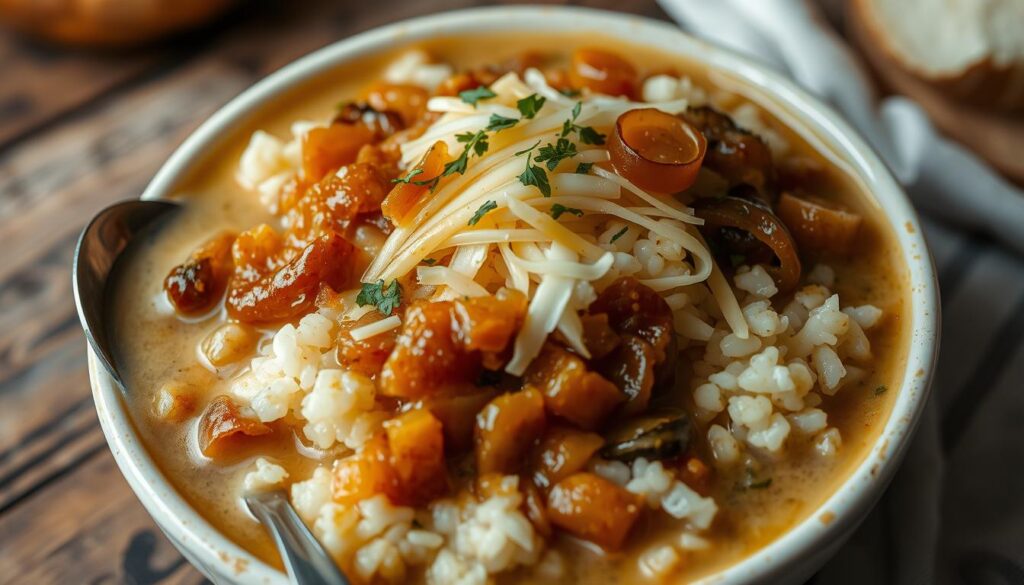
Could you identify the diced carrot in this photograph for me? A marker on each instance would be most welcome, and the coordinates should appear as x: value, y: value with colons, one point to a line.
x: 416, y: 442
x: 366, y: 474
x: 535, y: 509
x: 506, y: 429
x: 223, y: 424
x: 594, y: 509
x: 572, y: 392
x: 457, y: 414
x: 562, y: 452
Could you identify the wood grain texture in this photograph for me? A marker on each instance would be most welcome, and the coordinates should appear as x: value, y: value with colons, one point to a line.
x: 77, y: 132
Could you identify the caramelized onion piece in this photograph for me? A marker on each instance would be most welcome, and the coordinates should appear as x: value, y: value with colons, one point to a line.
x: 197, y: 284
x: 818, y: 224
x: 221, y: 425
x: 760, y: 223
x: 329, y: 148
x: 603, y: 72
x: 656, y: 151
x: 291, y: 291
x: 406, y: 100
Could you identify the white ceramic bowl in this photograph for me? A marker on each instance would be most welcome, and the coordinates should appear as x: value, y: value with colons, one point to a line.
x: 790, y: 559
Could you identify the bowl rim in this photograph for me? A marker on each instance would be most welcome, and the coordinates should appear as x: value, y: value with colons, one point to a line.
x: 850, y: 502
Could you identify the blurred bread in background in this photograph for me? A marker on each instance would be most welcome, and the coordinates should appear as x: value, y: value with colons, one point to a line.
x: 107, y: 23
x: 962, y: 60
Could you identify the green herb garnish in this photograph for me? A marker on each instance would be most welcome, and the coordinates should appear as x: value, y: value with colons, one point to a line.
x: 584, y: 168
x: 385, y: 298
x: 880, y: 390
x: 619, y: 234
x: 590, y: 136
x: 472, y: 96
x: 570, y: 92
x: 408, y: 178
x: 497, y: 123
x: 429, y: 261
x: 558, y: 209
x: 556, y: 153
x: 535, y: 175
x: 475, y: 142
x: 737, y: 260
x: 587, y: 133
x: 530, y: 105
x: 480, y: 213
x: 760, y: 485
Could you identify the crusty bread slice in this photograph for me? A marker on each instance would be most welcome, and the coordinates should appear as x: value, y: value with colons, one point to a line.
x: 971, y: 50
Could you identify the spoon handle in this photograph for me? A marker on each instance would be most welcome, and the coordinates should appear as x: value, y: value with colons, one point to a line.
x: 306, y: 561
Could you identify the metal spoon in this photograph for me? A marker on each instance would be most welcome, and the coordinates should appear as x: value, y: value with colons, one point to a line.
x: 102, y: 242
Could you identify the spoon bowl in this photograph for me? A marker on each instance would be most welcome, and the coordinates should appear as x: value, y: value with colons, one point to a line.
x: 102, y: 242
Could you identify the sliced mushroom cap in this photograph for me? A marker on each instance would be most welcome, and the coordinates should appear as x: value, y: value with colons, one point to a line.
x: 656, y: 435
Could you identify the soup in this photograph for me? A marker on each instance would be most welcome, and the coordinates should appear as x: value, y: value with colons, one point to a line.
x: 537, y: 314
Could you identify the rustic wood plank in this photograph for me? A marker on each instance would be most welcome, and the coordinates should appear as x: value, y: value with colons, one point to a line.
x: 87, y: 527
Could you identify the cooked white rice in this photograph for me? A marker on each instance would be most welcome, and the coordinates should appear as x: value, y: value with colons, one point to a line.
x: 756, y: 391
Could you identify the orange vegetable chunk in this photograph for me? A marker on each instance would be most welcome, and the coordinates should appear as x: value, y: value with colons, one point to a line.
x: 570, y: 390
x: 291, y: 291
x: 365, y: 474
x: 416, y: 442
x: 197, y: 284
x: 402, y: 200
x: 603, y: 72
x: 593, y: 508
x: 506, y: 429
x: 457, y: 414
x: 328, y: 148
x: 222, y: 425
x: 444, y: 346
x: 562, y: 452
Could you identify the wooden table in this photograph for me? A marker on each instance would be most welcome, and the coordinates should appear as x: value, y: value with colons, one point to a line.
x: 79, y: 131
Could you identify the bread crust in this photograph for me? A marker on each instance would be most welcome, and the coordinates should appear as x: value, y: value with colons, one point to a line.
x: 983, y: 83
x: 107, y: 23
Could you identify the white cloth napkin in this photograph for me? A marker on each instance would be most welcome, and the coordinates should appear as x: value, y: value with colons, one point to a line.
x: 952, y: 514
x: 792, y: 36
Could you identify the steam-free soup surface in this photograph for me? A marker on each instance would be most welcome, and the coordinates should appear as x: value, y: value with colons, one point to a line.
x: 755, y: 505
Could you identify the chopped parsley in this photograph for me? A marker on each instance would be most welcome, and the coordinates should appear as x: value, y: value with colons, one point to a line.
x: 558, y: 209
x: 429, y: 261
x: 584, y: 168
x: 385, y: 298
x: 880, y: 390
x: 556, y: 153
x: 619, y: 234
x: 472, y: 96
x: 587, y: 133
x: 535, y: 175
x: 408, y: 178
x: 737, y: 260
x: 590, y: 136
x: 498, y: 122
x: 475, y: 142
x: 480, y: 213
x: 530, y: 105
x: 570, y: 92
x: 760, y: 485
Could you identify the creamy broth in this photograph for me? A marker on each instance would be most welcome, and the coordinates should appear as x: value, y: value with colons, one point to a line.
x: 155, y: 346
